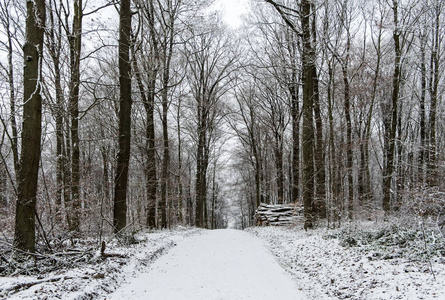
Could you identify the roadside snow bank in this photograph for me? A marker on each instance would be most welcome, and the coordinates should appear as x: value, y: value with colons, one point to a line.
x: 100, y: 278
x: 356, y: 263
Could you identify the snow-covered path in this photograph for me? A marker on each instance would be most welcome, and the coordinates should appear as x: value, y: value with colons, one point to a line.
x: 216, y: 265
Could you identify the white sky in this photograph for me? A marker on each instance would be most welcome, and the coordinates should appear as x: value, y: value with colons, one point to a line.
x: 232, y: 11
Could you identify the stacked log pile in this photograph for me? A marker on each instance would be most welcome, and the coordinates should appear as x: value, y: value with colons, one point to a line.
x: 279, y: 215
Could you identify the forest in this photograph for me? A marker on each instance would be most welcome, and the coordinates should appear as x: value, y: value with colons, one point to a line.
x: 122, y: 115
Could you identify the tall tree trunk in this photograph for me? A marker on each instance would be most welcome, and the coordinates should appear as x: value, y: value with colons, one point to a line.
x: 422, y: 122
x: 178, y: 175
x: 59, y: 136
x: 202, y: 157
x: 434, y: 89
x: 349, y: 142
x: 295, y: 112
x: 258, y: 193
x: 148, y: 99
x: 362, y: 175
x: 105, y: 176
x: 204, y: 184
x: 123, y: 156
x: 189, y: 200
x: 201, y: 167
x: 75, y: 42
x: 150, y: 167
x: 334, y: 178
x: 166, y: 157
x: 367, y: 170
x: 278, y: 153
x: 257, y: 162
x: 388, y: 170
x: 319, y: 157
x: 24, y: 235
x: 12, y: 95
x: 167, y: 56
x: 309, y: 73
x: 3, y: 185
x: 250, y: 124
x: 214, y: 196
x: 150, y: 160
x: 399, y: 179
x: 149, y: 105
x: 54, y: 46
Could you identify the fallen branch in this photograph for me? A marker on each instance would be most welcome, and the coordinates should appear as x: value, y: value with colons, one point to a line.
x: 15, y: 263
x: 27, y: 285
x: 106, y: 255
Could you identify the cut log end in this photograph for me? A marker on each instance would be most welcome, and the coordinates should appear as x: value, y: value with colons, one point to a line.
x: 278, y: 215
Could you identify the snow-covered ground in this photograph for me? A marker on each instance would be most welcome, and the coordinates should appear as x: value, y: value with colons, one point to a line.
x: 359, y: 262
x: 219, y: 264
x: 356, y: 262
x: 101, y: 276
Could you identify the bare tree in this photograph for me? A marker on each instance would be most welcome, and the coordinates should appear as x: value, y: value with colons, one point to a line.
x: 55, y: 50
x: 123, y: 156
x: 10, y: 29
x: 309, y: 75
x: 434, y: 90
x: 402, y: 41
x: 248, y: 131
x: 24, y: 236
x: 210, y: 63
x: 311, y: 155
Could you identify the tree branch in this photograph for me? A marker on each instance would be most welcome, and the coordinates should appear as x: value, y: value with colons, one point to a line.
x: 280, y: 9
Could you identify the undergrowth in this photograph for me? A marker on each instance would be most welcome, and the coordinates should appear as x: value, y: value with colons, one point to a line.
x: 393, y: 241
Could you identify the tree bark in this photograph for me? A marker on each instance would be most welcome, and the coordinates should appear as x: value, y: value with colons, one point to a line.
x: 180, y: 166
x: 166, y: 156
x: 334, y: 165
x: 12, y: 94
x: 319, y: 156
x: 75, y: 43
x: 422, y: 122
x: 151, y: 69
x: 150, y: 161
x: 366, y: 171
x: 295, y: 112
x: 349, y: 142
x: 278, y: 153
x: 309, y: 73
x: 167, y: 53
x: 434, y: 90
x: 390, y: 141
x: 123, y: 157
x: 201, y: 165
x: 24, y: 235
x: 54, y: 47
